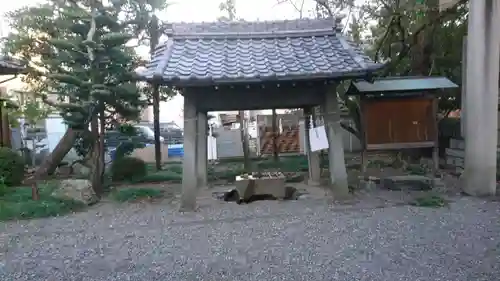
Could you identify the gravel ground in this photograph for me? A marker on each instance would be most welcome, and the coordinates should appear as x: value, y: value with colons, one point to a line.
x: 300, y: 240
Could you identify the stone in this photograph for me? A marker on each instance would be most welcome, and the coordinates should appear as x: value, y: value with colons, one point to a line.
x: 64, y: 170
x: 81, y: 170
x: 272, y: 184
x: 409, y: 182
x: 367, y: 185
x: 291, y: 193
x: 76, y: 189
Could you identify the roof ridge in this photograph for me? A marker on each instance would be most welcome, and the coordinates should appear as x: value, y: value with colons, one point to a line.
x: 251, y: 27
x: 255, y: 35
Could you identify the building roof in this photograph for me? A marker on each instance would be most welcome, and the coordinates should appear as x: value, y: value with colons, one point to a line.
x: 10, y: 66
x: 244, y: 52
x: 400, y: 85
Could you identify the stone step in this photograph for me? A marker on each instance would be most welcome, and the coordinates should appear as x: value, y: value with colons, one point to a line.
x: 457, y: 144
x: 455, y: 157
x: 455, y: 162
x: 460, y: 153
x: 460, y: 144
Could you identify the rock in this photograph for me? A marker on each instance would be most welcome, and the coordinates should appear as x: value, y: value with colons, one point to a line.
x: 64, y: 170
x: 291, y: 193
x: 367, y: 184
x: 409, y: 182
x: 76, y: 189
x: 303, y: 196
x: 81, y: 170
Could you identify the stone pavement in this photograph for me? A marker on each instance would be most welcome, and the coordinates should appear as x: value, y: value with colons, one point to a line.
x: 295, y: 240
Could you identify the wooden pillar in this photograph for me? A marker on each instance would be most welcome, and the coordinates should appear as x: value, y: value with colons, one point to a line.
x: 313, y: 159
x: 202, y: 150
x: 189, y: 165
x: 337, y: 168
x: 274, y: 121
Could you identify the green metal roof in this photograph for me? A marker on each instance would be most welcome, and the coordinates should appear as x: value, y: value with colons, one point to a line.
x: 400, y: 85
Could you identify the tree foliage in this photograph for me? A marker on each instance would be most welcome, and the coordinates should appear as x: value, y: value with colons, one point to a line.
x: 53, y: 38
x: 80, y: 62
x: 412, y: 37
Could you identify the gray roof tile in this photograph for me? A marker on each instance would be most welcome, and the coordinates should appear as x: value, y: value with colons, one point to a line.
x: 231, y: 52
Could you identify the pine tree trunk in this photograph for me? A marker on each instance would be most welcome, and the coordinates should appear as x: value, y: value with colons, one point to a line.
x: 155, y: 37
x: 53, y: 160
x: 156, y: 125
x: 102, y: 130
x: 97, y: 165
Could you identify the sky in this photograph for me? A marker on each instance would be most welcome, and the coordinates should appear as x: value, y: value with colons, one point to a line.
x: 194, y: 11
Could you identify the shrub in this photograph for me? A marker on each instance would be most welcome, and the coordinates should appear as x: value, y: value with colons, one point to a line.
x: 174, y: 169
x: 128, y: 169
x: 11, y: 167
x: 161, y: 176
x: 4, y: 189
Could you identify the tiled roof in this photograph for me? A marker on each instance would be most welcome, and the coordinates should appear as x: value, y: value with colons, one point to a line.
x: 10, y: 66
x: 232, y: 52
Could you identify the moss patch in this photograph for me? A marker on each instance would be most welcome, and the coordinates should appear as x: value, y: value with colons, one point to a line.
x: 430, y: 201
x: 18, y: 204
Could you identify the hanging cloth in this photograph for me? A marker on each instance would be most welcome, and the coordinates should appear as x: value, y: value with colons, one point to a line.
x: 317, y: 137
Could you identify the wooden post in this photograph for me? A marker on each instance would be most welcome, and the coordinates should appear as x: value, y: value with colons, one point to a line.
x: 244, y: 142
x: 362, y: 134
x: 435, y: 149
x: 275, y: 135
x: 35, y: 195
x: 313, y: 161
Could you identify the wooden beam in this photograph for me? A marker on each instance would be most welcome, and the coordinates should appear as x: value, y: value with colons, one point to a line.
x: 257, y: 96
x: 401, y: 145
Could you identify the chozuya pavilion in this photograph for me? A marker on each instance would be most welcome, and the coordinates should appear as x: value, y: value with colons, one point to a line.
x: 219, y: 66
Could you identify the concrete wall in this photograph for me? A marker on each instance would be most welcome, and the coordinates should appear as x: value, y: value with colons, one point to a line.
x: 228, y: 143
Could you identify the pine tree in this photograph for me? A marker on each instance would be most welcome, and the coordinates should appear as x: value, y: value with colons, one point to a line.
x: 83, y: 60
